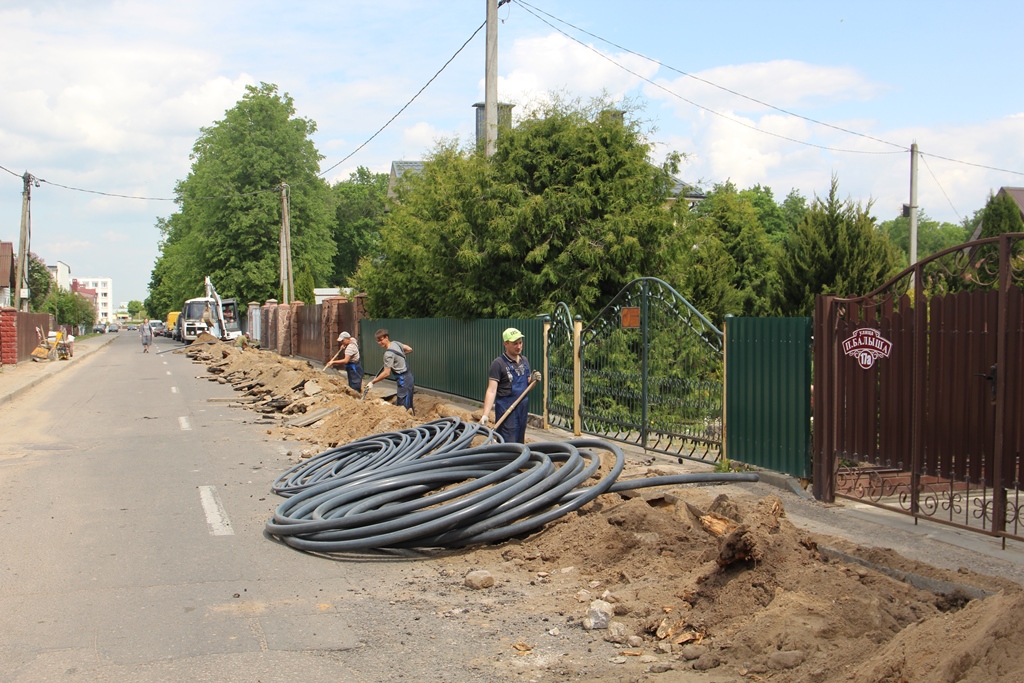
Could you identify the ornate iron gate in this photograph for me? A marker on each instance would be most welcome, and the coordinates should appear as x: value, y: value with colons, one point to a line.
x: 919, y: 391
x: 650, y: 372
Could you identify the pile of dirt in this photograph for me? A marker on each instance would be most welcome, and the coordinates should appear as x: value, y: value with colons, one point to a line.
x: 717, y: 582
x: 701, y: 581
x: 296, y: 387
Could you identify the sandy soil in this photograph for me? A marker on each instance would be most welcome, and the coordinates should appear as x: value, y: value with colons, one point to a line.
x: 704, y: 587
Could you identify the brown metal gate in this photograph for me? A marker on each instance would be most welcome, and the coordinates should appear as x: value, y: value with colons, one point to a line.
x: 919, y: 397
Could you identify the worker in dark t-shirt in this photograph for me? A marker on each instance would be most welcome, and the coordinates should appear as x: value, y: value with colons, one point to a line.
x: 507, y: 379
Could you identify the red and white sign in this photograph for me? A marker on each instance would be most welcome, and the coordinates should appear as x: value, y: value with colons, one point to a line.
x: 867, y: 345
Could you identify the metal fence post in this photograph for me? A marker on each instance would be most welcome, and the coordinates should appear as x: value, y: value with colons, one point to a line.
x: 547, y: 329
x: 577, y: 377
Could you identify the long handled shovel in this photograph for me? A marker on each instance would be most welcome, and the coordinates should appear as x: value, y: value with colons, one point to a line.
x: 514, y: 404
x: 328, y: 365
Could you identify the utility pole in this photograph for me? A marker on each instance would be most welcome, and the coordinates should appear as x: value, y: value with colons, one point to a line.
x: 491, y: 81
x: 21, y: 270
x: 287, y: 286
x: 913, y: 203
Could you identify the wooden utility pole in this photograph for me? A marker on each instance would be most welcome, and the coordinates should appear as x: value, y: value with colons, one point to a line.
x: 491, y: 81
x: 21, y: 270
x: 287, y: 281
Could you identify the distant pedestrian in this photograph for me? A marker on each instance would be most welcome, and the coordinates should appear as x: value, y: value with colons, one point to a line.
x: 146, y: 333
x: 350, y: 359
x: 396, y: 361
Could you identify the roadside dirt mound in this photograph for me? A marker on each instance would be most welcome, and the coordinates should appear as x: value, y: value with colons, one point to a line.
x: 697, y: 581
x: 297, y: 387
x: 732, y: 585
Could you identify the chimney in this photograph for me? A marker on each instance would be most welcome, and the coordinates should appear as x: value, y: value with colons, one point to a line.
x: 504, y: 120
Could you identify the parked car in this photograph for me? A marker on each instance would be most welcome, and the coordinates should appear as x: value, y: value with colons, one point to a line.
x: 113, y: 327
x: 99, y: 329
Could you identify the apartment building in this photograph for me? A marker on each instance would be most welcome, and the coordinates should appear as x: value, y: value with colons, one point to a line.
x: 104, y: 287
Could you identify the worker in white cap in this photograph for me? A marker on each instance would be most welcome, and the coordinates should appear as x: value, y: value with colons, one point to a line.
x: 350, y: 359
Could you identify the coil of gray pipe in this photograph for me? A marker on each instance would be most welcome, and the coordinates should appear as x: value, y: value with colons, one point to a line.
x: 428, y: 487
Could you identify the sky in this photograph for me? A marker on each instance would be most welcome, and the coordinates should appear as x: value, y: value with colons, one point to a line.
x: 108, y: 97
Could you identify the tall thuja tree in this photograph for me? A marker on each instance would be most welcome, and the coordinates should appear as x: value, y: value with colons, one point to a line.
x: 568, y: 209
x: 229, y: 221
x: 1001, y: 214
x: 835, y: 249
x: 735, y: 218
x: 360, y: 203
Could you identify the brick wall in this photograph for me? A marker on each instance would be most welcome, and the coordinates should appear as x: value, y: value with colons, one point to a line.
x: 8, y: 336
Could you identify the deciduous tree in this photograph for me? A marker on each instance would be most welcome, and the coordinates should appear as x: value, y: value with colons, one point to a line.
x: 229, y: 220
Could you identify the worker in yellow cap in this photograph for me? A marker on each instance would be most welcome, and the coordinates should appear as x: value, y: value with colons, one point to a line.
x: 507, y: 379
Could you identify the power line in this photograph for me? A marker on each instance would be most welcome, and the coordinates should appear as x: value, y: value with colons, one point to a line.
x: 406, y: 105
x: 528, y: 7
x: 277, y: 188
x: 942, y: 189
x: 901, y: 148
x: 701, y: 106
x: 971, y: 163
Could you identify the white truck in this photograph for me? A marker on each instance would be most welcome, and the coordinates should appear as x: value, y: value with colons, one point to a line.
x: 210, y: 314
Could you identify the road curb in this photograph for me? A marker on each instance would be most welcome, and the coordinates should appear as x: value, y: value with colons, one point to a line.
x: 63, y: 365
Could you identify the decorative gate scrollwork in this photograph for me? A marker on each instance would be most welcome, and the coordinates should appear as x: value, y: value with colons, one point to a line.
x: 651, y: 372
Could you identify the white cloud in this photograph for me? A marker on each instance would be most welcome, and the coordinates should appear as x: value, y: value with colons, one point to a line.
x: 553, y: 63
x: 421, y: 135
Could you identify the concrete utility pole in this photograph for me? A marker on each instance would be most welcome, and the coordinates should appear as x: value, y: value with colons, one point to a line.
x: 913, y: 203
x: 21, y: 270
x: 287, y: 282
x: 491, y: 81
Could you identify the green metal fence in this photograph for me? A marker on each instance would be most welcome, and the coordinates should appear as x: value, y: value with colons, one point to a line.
x: 768, y: 393
x: 651, y: 369
x: 453, y: 356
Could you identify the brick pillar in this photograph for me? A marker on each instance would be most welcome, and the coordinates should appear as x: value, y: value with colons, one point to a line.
x: 284, y: 337
x: 294, y: 329
x: 330, y: 323
x: 8, y: 336
x: 268, y: 338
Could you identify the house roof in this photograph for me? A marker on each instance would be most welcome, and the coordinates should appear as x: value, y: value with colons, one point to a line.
x: 1016, y: 194
x: 6, y: 264
x: 398, y: 169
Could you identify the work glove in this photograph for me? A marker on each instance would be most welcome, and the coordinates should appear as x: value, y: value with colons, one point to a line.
x: 536, y: 376
x: 367, y: 386
x: 483, y: 420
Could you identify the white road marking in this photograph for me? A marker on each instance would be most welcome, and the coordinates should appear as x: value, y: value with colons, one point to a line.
x: 174, y: 390
x: 183, y: 423
x: 216, y: 516
x: 168, y: 372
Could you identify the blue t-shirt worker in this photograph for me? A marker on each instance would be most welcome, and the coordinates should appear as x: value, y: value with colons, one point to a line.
x: 509, y: 378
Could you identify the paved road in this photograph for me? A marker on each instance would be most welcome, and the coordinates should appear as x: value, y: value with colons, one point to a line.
x: 133, y: 546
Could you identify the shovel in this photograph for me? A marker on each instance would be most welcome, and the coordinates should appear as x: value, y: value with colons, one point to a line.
x: 366, y: 388
x: 514, y: 404
x: 327, y: 366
